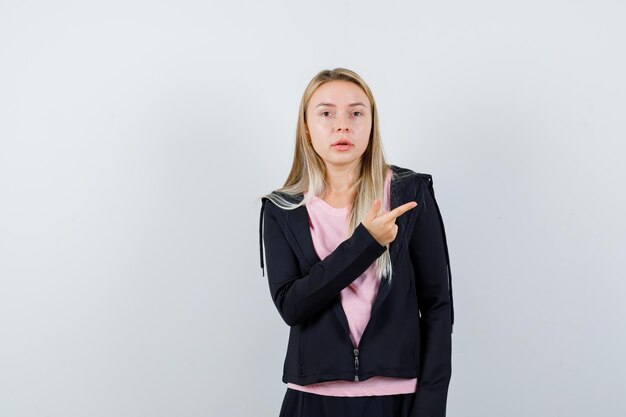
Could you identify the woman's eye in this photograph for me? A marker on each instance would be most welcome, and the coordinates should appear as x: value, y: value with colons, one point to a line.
x: 358, y: 112
x: 323, y: 113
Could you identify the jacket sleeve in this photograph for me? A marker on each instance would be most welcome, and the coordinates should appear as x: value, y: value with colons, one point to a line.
x: 429, y: 255
x: 298, y: 297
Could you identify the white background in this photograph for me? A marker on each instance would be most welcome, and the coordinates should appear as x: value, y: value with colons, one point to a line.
x: 136, y: 137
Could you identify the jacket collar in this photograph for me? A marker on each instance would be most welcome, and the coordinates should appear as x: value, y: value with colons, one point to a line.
x: 298, y: 222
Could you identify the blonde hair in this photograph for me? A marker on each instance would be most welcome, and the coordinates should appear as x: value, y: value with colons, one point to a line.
x: 308, y: 171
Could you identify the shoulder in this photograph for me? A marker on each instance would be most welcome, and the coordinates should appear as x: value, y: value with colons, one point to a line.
x: 271, y: 201
x: 280, y: 202
x: 408, y: 177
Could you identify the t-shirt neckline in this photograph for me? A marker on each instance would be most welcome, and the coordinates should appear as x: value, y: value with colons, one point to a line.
x: 329, y: 208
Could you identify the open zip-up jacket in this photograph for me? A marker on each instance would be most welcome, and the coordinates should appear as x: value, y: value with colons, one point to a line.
x: 409, y: 333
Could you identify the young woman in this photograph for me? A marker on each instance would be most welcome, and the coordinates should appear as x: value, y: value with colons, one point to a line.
x: 357, y: 265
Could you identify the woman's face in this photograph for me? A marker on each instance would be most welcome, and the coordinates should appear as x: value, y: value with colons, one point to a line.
x: 339, y: 111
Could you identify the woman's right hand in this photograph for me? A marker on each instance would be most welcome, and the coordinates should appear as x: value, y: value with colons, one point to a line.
x: 383, y: 226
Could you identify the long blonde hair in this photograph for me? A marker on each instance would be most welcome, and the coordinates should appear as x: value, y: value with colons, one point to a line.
x: 308, y: 171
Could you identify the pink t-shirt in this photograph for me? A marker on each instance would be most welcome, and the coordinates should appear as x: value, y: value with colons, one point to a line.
x: 328, y: 226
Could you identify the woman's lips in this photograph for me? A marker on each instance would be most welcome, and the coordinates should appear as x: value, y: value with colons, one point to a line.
x: 342, y: 147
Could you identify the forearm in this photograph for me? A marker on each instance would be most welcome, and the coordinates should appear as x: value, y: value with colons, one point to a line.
x: 298, y: 297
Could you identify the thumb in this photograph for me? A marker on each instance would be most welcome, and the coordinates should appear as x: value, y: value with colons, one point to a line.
x: 373, y: 213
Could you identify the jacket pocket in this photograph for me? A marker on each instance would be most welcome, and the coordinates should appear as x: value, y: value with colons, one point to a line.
x: 325, y: 346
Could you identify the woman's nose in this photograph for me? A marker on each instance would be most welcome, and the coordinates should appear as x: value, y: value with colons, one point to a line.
x: 342, y: 123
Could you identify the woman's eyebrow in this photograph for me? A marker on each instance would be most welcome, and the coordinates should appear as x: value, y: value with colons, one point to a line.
x: 332, y: 105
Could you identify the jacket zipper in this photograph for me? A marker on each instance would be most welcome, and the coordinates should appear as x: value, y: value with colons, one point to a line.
x: 356, y: 349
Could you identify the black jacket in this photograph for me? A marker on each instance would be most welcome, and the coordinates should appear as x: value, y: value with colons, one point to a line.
x: 409, y: 331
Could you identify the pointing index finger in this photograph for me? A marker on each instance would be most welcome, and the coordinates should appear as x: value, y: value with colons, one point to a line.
x: 398, y: 211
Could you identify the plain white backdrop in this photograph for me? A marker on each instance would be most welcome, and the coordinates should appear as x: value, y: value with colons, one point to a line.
x: 136, y: 137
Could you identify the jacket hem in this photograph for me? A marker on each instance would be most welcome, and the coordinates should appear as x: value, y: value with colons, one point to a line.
x: 348, y: 376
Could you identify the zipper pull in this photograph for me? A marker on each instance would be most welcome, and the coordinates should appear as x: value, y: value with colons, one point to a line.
x: 356, y: 364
